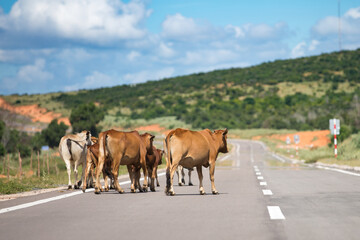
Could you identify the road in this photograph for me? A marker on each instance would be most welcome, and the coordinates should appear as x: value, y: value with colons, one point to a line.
x: 261, y: 197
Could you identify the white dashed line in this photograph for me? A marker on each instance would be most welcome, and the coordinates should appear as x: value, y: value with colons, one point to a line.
x: 267, y: 192
x: 258, y: 173
x: 275, y: 213
x: 263, y: 184
x: 260, y: 177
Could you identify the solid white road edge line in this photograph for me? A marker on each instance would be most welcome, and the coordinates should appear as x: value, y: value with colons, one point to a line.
x: 275, y: 213
x: 339, y: 170
x: 31, y: 204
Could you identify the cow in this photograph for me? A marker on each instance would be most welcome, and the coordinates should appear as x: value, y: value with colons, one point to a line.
x: 123, y: 148
x: 72, y: 149
x: 92, y: 157
x: 152, y: 163
x: 193, y: 149
x: 180, y: 172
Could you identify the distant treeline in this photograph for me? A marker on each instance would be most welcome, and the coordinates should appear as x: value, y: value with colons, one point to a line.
x: 219, y: 99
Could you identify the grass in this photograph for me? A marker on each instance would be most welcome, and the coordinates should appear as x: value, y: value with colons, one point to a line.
x: 348, y: 151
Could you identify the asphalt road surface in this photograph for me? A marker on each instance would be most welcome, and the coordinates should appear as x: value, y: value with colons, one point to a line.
x: 261, y: 197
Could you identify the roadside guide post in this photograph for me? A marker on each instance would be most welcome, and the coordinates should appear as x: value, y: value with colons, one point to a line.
x: 288, y: 141
x: 296, y: 141
x: 334, y: 125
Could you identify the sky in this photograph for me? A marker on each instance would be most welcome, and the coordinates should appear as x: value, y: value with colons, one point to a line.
x: 66, y: 45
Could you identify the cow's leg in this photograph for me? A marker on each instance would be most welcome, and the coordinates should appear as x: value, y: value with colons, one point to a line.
x: 99, y: 170
x: 152, y: 173
x: 144, y: 168
x: 87, y: 171
x: 115, y: 171
x: 93, y: 179
x: 131, y: 172
x: 212, y: 178
x: 106, y: 179
x: 201, y: 188
x: 173, y: 169
x: 77, y: 183
x: 190, y: 182
x: 157, y: 180
x: 178, y: 173
x: 68, y: 168
x: 183, y: 175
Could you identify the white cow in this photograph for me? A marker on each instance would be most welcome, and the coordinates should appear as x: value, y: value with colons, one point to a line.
x: 180, y: 172
x: 73, y: 148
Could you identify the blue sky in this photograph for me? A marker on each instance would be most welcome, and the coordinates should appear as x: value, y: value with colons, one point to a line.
x: 66, y: 45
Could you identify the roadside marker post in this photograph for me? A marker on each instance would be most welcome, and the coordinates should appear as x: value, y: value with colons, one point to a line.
x: 296, y: 141
x: 334, y: 125
x: 288, y: 141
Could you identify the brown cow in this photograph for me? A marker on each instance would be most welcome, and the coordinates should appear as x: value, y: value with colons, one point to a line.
x: 92, y: 157
x: 152, y: 163
x: 123, y: 148
x: 193, y: 149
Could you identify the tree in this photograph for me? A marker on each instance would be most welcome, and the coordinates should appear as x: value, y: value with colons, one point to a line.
x: 53, y: 133
x: 86, y: 117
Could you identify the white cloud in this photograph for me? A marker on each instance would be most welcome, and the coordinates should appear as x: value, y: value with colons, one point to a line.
x: 95, y: 21
x: 313, y: 45
x: 353, y: 13
x: 298, y: 50
x: 210, y: 56
x: 182, y: 28
x: 34, y: 73
x: 95, y: 80
x: 146, y: 75
x: 133, y: 55
x: 165, y: 50
x: 239, y: 33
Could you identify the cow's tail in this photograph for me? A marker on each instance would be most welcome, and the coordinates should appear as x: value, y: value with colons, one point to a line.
x: 103, y: 138
x: 68, y: 143
x: 168, y: 162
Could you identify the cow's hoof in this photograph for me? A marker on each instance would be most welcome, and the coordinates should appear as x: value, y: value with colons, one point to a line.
x: 190, y: 184
x: 152, y: 189
x: 172, y: 193
x: 79, y: 184
x: 69, y: 187
x: 133, y: 190
x: 180, y: 184
x: 106, y: 189
x: 97, y: 191
x: 158, y: 185
x: 183, y: 181
x: 121, y: 191
x: 215, y: 192
x: 202, y: 192
x: 83, y: 190
x: 76, y: 186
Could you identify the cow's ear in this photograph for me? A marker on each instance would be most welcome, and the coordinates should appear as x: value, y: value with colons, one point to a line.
x: 225, y: 131
x: 152, y: 137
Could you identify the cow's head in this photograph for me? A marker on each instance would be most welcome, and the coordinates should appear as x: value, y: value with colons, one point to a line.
x: 221, y: 138
x: 148, y: 140
x: 88, y: 138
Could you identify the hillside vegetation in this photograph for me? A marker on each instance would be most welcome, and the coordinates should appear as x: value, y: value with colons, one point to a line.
x: 297, y: 94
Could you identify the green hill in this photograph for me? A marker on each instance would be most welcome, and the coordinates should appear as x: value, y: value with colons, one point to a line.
x: 298, y: 94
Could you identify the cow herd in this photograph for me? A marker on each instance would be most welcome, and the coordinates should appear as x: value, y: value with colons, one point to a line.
x: 182, y: 149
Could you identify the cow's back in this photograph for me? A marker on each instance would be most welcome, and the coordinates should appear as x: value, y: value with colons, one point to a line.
x: 124, y: 145
x: 190, y: 147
